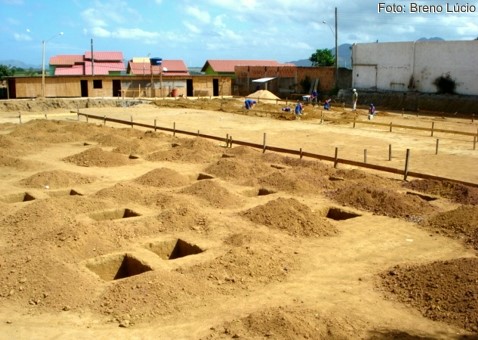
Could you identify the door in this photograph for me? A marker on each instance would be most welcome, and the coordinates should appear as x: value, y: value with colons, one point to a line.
x: 84, y: 88
x: 189, y: 88
x: 215, y: 87
x: 116, y: 88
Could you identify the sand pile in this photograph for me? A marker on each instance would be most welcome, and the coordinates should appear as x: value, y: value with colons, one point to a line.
x: 213, y: 193
x: 98, y: 157
x: 263, y: 95
x: 196, y: 150
x: 56, y: 179
x: 290, y: 216
x: 163, y: 178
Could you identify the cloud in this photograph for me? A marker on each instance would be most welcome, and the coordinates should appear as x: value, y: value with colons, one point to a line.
x: 22, y: 37
x: 202, y: 16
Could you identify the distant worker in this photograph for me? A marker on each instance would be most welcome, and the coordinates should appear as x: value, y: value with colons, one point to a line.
x: 371, y: 112
x: 298, y: 109
x: 314, y: 96
x: 327, y: 104
x: 354, y: 100
x: 249, y: 103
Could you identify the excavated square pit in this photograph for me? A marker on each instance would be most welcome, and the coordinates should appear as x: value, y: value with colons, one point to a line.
x: 265, y: 192
x: 118, y: 267
x: 422, y: 196
x: 340, y: 215
x: 202, y: 176
x: 15, y: 198
x: 174, y: 249
x: 114, y: 214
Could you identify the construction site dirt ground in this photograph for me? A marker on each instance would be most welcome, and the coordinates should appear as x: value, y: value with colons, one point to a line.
x: 109, y: 231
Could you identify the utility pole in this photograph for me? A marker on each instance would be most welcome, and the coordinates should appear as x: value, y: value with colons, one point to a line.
x: 336, y: 51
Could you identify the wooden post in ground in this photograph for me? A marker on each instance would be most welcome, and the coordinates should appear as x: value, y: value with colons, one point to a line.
x: 264, y: 143
x: 407, y: 158
x: 365, y: 156
x: 436, y: 148
x: 155, y: 125
x: 132, y: 122
x: 300, y: 153
x: 336, y: 159
x: 433, y: 128
x: 174, y: 129
x: 389, y: 152
x: 20, y: 118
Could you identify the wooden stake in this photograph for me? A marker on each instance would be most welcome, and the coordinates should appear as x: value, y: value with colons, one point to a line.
x: 336, y: 160
x: 436, y: 148
x: 365, y: 156
x: 264, y: 143
x: 407, y: 158
x: 389, y: 152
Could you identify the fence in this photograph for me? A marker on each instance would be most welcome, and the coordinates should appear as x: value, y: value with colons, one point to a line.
x: 229, y: 141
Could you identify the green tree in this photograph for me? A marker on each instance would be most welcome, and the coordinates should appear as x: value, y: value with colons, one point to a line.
x: 6, y: 71
x: 322, y: 58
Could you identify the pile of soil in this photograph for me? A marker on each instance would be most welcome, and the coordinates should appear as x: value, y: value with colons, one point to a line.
x: 163, y: 178
x: 98, y: 157
x: 290, y: 216
x: 284, y: 323
x: 383, y: 201
x: 455, y: 191
x: 55, y: 179
x: 460, y: 223
x: 213, y: 193
x: 196, y: 150
x: 443, y: 290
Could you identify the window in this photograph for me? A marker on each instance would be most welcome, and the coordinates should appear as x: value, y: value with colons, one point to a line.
x: 97, y: 84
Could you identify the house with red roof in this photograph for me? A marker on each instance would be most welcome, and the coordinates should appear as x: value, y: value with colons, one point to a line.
x: 96, y: 63
x: 144, y: 67
x: 227, y: 67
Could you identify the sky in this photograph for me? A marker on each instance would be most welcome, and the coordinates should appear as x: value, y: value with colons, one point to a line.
x: 195, y: 31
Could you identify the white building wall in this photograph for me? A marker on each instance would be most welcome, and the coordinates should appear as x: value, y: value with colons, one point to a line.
x: 404, y: 66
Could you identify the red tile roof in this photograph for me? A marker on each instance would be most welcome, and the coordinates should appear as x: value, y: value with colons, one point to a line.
x: 228, y: 65
x: 104, y: 56
x: 75, y: 70
x: 103, y: 68
x: 173, y: 68
x: 69, y: 59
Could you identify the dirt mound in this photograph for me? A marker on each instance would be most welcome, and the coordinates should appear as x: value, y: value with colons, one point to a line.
x: 98, y: 157
x: 196, y: 150
x: 290, y: 216
x: 295, y: 180
x: 56, y: 179
x: 238, y: 170
x: 17, y: 163
x: 455, y: 191
x: 442, y: 291
x: 51, y: 131
x: 163, y: 177
x: 244, y: 268
x: 213, y: 193
x: 283, y: 323
x: 460, y: 223
x: 383, y: 201
x: 263, y: 94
